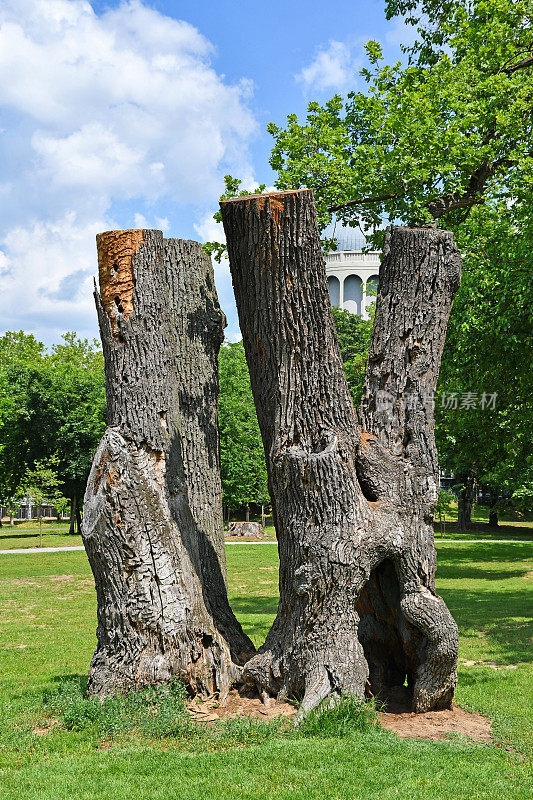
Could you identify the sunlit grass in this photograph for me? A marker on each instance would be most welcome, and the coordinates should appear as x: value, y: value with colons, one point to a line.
x: 47, y: 636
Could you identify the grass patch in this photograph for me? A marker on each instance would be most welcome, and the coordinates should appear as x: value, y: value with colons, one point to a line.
x: 157, y: 712
x: 345, y: 717
x: 55, y: 743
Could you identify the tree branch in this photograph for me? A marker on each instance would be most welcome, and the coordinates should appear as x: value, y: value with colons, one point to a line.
x: 523, y: 64
x: 362, y: 201
x: 446, y: 203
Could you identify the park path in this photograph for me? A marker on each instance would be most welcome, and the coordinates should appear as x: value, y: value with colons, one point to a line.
x: 28, y: 550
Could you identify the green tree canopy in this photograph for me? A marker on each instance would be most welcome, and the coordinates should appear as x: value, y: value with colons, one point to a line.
x: 354, y: 340
x: 488, y: 354
x: 52, y: 405
x: 428, y: 139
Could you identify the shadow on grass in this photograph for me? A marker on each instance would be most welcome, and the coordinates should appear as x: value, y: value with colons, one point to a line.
x: 483, y: 531
x: 34, y: 534
x: 260, y: 605
x: 498, y: 618
x: 471, y: 572
x: 81, y: 680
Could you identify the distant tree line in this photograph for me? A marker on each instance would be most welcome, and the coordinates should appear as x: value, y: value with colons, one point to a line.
x: 52, y: 415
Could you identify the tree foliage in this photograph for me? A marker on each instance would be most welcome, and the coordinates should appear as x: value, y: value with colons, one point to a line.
x: 42, y: 484
x: 52, y: 405
x: 353, y: 333
x: 429, y: 139
x: 243, y: 468
x: 489, y: 351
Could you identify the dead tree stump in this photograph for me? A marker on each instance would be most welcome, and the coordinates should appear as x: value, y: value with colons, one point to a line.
x: 352, y: 499
x: 152, y: 523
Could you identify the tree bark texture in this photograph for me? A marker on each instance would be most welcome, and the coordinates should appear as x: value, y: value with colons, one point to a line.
x: 352, y: 498
x: 152, y: 523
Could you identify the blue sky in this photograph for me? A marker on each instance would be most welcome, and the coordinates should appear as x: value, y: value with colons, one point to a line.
x: 129, y: 114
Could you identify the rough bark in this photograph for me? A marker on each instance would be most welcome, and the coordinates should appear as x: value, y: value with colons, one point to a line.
x: 152, y: 523
x: 352, y: 504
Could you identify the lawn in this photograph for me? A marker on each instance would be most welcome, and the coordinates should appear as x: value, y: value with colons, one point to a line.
x: 24, y: 535
x: 47, y: 625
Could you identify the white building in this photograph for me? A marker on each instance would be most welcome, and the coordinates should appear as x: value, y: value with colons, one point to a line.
x: 352, y: 279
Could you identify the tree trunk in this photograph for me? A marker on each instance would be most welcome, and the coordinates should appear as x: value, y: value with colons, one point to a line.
x: 73, y: 516
x: 352, y: 504
x: 78, y: 515
x: 152, y: 523
x: 465, y: 501
x: 493, y: 510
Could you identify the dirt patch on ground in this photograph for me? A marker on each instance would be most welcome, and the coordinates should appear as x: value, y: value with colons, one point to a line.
x: 47, y: 727
x: 437, y: 724
x: 237, y: 706
x: 396, y: 716
x: 405, y: 724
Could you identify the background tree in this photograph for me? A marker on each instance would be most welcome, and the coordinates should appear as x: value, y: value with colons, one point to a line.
x: 42, y: 484
x: 22, y: 360
x: 242, y: 459
x: 354, y: 334
x: 446, y: 137
x: 430, y: 139
x: 485, y: 411
x: 50, y: 404
x: 77, y: 368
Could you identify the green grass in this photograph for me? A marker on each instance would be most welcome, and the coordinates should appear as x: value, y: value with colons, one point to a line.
x: 26, y: 535
x: 122, y: 750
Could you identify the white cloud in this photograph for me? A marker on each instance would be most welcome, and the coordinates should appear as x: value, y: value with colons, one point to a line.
x: 334, y: 68
x: 208, y: 229
x: 122, y: 99
x: 103, y: 109
x: 49, y: 280
x: 140, y: 221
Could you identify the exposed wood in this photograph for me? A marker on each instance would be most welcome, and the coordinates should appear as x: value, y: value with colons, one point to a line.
x: 152, y: 523
x: 352, y: 504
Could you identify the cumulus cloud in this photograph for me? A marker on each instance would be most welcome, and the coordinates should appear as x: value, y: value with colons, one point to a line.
x: 103, y: 109
x: 333, y: 68
x: 48, y: 284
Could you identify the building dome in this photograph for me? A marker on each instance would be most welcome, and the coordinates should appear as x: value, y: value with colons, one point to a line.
x: 353, y: 278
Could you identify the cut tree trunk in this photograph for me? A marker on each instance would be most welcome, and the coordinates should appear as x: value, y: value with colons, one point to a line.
x: 152, y: 522
x: 352, y: 501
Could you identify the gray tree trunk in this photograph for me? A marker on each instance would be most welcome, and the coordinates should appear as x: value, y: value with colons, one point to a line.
x: 352, y: 498
x: 152, y: 523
